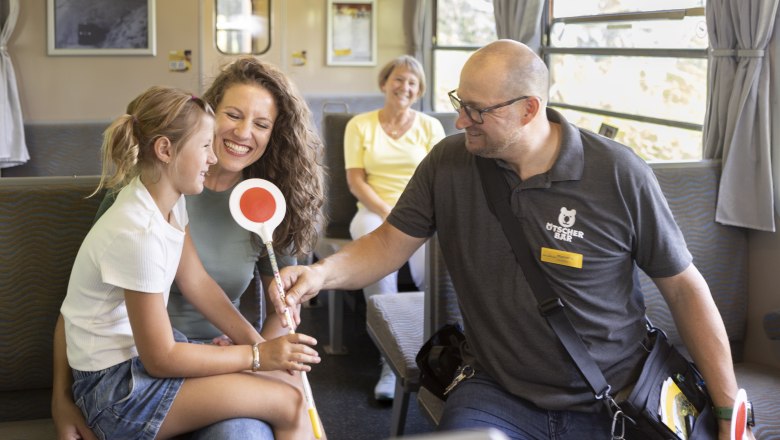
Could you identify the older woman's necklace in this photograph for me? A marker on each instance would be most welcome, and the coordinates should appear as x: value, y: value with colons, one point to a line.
x: 398, y: 129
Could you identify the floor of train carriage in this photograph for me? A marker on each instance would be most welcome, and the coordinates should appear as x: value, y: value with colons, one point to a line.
x: 343, y: 385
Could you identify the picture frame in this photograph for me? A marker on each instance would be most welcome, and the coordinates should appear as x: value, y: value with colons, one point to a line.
x: 351, y: 29
x: 101, y: 27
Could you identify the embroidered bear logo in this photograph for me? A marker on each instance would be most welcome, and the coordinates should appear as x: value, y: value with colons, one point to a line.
x: 566, y: 217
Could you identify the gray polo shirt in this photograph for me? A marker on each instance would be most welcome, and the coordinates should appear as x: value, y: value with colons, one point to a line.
x: 594, y: 217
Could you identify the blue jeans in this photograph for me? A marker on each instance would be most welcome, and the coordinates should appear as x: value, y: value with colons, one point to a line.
x: 231, y: 429
x: 124, y: 401
x: 235, y: 429
x: 480, y: 402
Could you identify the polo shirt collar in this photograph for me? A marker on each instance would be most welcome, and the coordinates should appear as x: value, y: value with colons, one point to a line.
x: 571, y: 160
x: 569, y: 163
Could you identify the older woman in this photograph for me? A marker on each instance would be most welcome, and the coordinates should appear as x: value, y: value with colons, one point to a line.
x: 382, y: 148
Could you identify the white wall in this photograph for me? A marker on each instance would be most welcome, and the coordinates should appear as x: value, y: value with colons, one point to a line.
x: 84, y: 88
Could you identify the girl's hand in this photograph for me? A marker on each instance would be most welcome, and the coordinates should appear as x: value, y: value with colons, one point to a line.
x: 288, y: 352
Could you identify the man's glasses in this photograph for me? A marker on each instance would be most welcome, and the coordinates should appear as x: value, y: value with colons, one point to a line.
x: 475, y: 114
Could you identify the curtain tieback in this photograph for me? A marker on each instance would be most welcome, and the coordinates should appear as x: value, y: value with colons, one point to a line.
x: 740, y: 53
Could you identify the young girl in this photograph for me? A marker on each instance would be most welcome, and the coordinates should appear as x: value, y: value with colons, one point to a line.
x: 129, y: 365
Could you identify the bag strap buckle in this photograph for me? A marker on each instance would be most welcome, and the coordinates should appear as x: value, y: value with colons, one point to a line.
x: 549, y: 306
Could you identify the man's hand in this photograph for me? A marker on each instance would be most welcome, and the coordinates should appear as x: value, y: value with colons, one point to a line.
x: 69, y: 422
x: 301, y: 283
x: 724, y: 431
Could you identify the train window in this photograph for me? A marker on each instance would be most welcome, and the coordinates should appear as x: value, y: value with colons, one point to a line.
x: 634, y: 73
x: 243, y: 26
x: 460, y: 27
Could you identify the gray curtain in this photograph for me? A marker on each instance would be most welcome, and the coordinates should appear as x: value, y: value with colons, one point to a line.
x: 738, y: 127
x: 415, y: 16
x: 13, y: 149
x: 414, y: 27
x: 520, y: 20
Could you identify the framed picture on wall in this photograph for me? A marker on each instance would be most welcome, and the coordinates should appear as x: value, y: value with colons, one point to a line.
x: 101, y: 27
x: 351, y: 39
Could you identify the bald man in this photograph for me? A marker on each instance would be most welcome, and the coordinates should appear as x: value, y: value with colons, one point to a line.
x: 572, y: 191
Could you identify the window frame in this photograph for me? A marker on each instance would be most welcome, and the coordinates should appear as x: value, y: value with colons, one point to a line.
x: 218, y: 29
x: 430, y: 48
x: 670, y: 14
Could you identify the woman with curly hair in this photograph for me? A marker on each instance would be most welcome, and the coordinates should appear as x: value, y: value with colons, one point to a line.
x: 263, y: 129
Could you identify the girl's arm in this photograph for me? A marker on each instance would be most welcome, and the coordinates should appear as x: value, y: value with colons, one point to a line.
x: 162, y: 356
x: 205, y: 294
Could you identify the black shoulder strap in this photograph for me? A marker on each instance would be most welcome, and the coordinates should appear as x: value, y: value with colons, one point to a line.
x: 551, y: 306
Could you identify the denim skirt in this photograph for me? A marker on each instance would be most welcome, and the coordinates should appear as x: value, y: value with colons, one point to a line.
x: 124, y: 401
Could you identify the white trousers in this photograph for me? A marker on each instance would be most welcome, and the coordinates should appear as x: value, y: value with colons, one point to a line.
x: 366, y: 221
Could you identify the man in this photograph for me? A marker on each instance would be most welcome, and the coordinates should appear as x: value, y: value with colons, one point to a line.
x: 573, y: 192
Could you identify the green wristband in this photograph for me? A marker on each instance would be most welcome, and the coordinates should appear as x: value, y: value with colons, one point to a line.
x: 726, y: 412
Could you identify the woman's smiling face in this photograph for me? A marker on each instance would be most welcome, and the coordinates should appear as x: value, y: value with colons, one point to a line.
x: 244, y: 122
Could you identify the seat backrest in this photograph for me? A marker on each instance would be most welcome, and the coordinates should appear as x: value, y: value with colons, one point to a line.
x: 719, y: 251
x: 61, y: 149
x: 43, y: 221
x: 340, y: 204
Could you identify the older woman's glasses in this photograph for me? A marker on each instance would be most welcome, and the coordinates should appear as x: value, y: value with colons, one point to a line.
x: 475, y: 114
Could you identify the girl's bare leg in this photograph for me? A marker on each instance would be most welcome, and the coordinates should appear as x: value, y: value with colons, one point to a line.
x: 203, y: 401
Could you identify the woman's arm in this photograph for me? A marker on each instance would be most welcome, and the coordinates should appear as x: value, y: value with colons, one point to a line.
x: 357, y: 180
x: 272, y: 324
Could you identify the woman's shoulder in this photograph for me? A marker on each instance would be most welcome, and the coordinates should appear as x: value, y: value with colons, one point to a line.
x: 369, y: 117
x: 428, y: 121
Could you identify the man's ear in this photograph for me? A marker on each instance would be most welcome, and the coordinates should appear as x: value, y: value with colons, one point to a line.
x: 163, y: 149
x: 531, y: 107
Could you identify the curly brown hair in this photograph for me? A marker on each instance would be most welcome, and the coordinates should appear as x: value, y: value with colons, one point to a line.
x: 292, y: 158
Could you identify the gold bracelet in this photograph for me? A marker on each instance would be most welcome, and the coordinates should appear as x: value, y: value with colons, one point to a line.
x: 255, y: 357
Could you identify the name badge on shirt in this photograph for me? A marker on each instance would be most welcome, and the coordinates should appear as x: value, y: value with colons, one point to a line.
x: 563, y: 258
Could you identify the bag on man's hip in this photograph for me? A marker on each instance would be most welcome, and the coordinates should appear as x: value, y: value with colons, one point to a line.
x: 669, y: 400
x: 439, y: 359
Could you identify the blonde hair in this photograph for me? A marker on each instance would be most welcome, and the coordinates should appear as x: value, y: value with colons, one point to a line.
x: 128, y: 143
x: 291, y: 159
x: 410, y: 63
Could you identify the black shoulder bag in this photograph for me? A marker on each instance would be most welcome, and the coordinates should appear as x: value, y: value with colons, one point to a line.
x: 638, y: 416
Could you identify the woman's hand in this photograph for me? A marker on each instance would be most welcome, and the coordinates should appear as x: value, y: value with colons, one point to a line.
x: 222, y: 341
x: 69, y: 422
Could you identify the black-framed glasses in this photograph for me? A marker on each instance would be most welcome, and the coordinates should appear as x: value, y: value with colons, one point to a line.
x: 475, y: 114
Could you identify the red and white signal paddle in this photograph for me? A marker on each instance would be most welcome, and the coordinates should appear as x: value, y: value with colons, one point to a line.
x: 258, y: 206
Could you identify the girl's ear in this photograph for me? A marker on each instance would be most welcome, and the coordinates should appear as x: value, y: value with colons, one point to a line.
x: 163, y: 149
